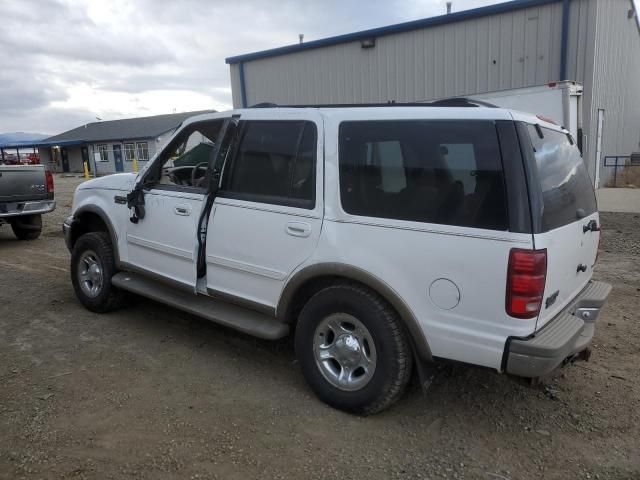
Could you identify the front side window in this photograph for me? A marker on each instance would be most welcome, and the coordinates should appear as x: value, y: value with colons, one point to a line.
x: 143, y: 151
x: 567, y: 191
x: 274, y: 163
x: 129, y: 151
x: 446, y: 172
x: 184, y: 161
x: 104, y: 153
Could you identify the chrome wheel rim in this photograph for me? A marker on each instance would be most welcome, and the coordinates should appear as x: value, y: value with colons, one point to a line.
x: 90, y: 274
x: 344, y: 351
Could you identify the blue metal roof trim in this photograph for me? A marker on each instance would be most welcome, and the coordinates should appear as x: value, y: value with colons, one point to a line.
x: 391, y: 29
x: 41, y: 143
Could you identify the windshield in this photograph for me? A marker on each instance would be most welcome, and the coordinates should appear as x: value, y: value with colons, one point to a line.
x: 567, y: 191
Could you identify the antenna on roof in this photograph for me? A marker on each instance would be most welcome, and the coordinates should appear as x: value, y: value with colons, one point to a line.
x: 449, y: 7
x: 301, y: 37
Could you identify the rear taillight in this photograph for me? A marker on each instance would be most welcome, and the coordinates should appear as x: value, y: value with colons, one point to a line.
x: 526, y: 277
x: 49, y: 176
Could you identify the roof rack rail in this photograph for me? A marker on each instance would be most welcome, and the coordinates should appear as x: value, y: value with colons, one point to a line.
x: 445, y: 102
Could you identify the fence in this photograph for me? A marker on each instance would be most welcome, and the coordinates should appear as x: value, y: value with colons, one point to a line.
x: 620, y: 164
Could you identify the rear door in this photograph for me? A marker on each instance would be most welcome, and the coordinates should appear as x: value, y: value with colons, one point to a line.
x: 566, y: 221
x: 267, y: 215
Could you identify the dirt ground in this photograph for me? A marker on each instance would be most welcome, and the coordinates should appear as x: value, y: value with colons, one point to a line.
x: 152, y: 393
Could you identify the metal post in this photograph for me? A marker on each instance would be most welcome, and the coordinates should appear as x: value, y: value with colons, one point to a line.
x: 615, y: 172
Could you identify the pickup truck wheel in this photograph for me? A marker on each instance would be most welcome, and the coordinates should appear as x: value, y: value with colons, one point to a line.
x: 352, y: 349
x: 27, y: 227
x: 92, y: 266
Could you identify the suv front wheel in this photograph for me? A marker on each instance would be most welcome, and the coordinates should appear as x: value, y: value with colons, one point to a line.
x: 92, y: 266
x: 352, y: 349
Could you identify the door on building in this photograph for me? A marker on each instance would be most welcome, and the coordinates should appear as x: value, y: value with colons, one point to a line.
x: 64, y: 155
x: 117, y: 158
x: 85, y: 157
x: 599, y: 147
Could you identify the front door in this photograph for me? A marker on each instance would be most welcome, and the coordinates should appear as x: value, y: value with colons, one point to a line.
x: 64, y: 155
x: 117, y: 158
x: 267, y: 215
x: 85, y: 157
x: 164, y: 242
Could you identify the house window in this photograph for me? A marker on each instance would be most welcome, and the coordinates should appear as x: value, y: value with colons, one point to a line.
x: 143, y: 151
x: 129, y: 151
x: 104, y: 153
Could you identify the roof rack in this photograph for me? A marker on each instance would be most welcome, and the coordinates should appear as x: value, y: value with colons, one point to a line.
x: 445, y: 102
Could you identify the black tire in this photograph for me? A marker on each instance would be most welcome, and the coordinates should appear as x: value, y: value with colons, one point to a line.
x: 107, y: 297
x: 394, y: 359
x: 27, y: 227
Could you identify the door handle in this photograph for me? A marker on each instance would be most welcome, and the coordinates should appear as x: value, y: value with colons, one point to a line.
x: 182, y: 209
x: 298, y: 229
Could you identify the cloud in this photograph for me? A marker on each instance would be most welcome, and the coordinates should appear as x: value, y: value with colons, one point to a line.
x: 64, y: 62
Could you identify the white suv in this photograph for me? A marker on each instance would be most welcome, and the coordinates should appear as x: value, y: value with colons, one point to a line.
x: 385, y: 237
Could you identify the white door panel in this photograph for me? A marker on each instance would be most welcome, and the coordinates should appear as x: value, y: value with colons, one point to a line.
x: 252, y: 248
x: 165, y: 241
x: 568, y: 247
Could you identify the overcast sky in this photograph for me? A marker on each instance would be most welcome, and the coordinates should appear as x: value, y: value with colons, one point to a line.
x: 65, y: 62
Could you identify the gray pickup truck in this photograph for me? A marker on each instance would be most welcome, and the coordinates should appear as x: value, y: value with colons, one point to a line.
x: 26, y: 192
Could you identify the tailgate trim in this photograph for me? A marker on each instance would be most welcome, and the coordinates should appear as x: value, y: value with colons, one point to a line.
x: 563, y: 336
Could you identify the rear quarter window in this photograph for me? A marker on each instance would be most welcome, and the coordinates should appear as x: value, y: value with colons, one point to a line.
x: 444, y: 172
x: 567, y: 191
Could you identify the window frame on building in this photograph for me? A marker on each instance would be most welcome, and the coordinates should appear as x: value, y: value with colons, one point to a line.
x: 142, y: 154
x: 129, y: 154
x: 103, y: 151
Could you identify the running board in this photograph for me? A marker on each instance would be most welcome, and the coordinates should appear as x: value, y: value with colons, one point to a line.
x: 227, y: 314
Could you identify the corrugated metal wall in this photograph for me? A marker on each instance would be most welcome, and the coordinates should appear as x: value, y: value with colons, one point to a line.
x: 616, y: 83
x: 501, y: 51
x: 515, y: 49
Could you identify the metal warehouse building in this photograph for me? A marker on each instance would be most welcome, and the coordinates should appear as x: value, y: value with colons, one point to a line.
x: 509, y: 45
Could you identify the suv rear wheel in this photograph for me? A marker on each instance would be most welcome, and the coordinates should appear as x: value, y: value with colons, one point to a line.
x: 352, y: 349
x: 27, y: 227
x: 92, y: 266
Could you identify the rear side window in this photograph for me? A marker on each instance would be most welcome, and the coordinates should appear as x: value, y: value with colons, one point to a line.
x: 567, y: 192
x: 446, y: 172
x: 274, y: 163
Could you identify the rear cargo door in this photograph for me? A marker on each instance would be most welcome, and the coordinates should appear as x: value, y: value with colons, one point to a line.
x: 565, y: 216
x: 22, y: 183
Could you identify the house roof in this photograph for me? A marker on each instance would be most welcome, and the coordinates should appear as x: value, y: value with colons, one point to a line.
x: 396, y: 28
x: 127, y: 128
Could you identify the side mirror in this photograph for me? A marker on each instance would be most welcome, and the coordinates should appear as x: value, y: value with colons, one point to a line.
x: 135, y: 200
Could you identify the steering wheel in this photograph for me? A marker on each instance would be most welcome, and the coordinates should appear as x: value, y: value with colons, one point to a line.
x: 194, y: 171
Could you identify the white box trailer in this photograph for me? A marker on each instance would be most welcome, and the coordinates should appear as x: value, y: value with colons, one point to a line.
x: 558, y: 101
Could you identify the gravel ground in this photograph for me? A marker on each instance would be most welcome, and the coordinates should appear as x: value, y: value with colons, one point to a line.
x: 152, y: 393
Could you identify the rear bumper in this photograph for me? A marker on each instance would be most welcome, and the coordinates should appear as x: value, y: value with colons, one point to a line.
x: 569, y: 333
x: 26, y: 208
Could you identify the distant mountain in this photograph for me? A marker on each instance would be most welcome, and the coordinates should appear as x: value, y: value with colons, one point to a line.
x: 20, y: 137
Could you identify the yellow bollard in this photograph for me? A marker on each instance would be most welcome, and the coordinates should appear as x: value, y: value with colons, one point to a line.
x: 135, y: 165
x: 86, y: 170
